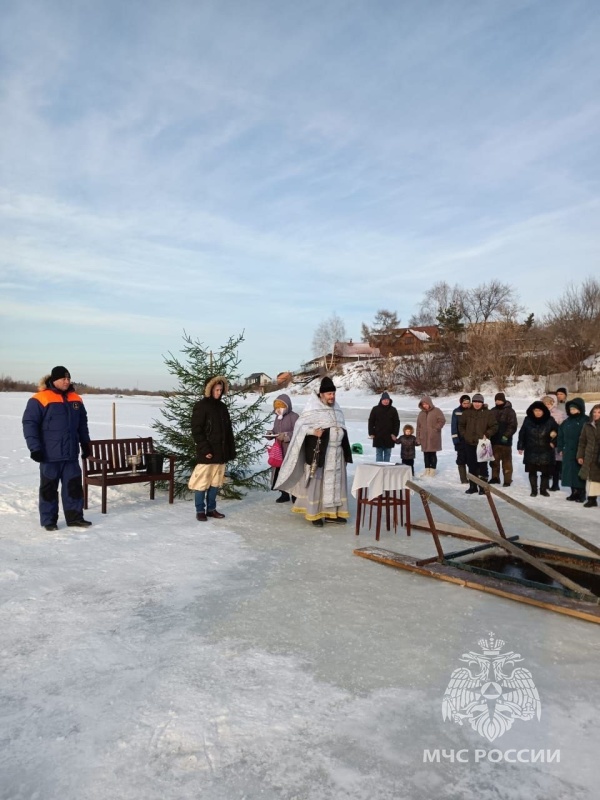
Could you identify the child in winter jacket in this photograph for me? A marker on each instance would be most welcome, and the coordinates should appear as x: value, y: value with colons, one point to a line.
x: 408, y: 446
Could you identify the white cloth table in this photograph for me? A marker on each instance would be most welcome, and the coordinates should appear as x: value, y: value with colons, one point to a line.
x: 380, y: 478
x: 382, y: 486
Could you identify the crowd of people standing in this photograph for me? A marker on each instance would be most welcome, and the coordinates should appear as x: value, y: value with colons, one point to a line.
x: 559, y: 442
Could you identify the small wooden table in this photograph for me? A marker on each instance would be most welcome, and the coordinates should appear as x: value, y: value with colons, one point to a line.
x: 379, y: 487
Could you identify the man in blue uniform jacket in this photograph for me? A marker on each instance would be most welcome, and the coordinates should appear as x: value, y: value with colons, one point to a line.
x: 55, y: 427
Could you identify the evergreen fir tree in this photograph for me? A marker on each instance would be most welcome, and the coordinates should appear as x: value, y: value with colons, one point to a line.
x: 450, y: 320
x: 248, y: 420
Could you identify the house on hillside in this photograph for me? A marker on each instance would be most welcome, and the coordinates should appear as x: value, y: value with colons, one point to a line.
x: 343, y: 353
x: 258, y: 379
x: 418, y: 339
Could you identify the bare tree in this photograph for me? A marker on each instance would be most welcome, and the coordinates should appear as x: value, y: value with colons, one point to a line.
x: 383, y: 374
x: 490, y: 301
x: 328, y: 332
x: 423, y: 374
x: 573, y: 324
x: 440, y: 296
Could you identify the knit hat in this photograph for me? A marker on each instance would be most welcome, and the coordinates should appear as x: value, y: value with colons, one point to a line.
x: 561, y: 389
x: 464, y: 397
x: 385, y: 396
x: 326, y: 386
x: 478, y: 398
x: 58, y: 373
x: 500, y: 396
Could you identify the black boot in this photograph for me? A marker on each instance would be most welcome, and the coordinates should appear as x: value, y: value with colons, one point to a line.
x: 544, y: 486
x: 580, y: 498
x: 283, y: 498
x: 495, y: 481
x: 481, y: 490
x: 472, y: 488
x: 555, y: 476
x: 591, y: 503
x: 533, y: 483
x: 573, y: 495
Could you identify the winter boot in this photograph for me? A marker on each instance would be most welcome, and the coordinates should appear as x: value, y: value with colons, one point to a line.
x: 462, y: 471
x: 482, y: 490
x: 556, y: 476
x: 283, y: 498
x: 494, y: 480
x: 591, y: 503
x: 472, y: 488
x: 51, y: 527
x: 318, y: 523
x: 533, y: 483
x: 573, y: 495
x: 580, y: 496
x: 432, y: 473
x: 544, y: 486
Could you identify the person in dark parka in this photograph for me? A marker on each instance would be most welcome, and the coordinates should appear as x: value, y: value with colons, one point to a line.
x: 567, y: 443
x: 384, y: 427
x: 55, y: 427
x: 502, y: 440
x: 215, y: 446
x: 477, y: 422
x: 536, y: 443
x: 457, y: 440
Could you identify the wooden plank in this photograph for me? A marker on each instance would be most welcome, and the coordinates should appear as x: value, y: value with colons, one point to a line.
x: 536, y: 515
x: 429, y: 497
x: 534, y: 597
x: 468, y: 534
x: 448, y: 529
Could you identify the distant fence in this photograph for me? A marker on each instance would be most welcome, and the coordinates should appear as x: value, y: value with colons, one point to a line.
x: 586, y: 382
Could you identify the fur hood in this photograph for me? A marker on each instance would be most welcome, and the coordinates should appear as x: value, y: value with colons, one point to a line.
x: 284, y: 398
x: 212, y: 381
x: 45, y: 383
x: 543, y: 408
x: 578, y: 402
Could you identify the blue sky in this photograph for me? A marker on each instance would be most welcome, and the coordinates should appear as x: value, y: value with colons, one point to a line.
x: 219, y: 165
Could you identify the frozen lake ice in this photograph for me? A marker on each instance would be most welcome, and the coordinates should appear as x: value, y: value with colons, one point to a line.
x: 255, y: 657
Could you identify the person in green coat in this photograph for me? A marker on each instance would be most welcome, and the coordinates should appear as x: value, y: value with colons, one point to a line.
x: 567, y: 444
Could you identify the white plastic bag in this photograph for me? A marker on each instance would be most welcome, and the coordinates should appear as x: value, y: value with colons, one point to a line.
x: 485, y: 451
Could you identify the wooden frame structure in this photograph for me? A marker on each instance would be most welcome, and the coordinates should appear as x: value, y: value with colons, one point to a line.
x: 571, y: 599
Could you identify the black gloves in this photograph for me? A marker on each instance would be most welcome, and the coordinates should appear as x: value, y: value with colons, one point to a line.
x: 36, y: 456
x: 85, y: 450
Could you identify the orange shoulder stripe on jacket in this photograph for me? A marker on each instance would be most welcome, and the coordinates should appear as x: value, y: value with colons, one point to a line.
x: 48, y: 396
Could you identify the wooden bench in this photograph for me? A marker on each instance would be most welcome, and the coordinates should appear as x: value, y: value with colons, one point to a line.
x: 107, y: 465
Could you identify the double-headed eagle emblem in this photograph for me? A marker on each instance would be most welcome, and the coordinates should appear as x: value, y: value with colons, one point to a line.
x: 491, y: 692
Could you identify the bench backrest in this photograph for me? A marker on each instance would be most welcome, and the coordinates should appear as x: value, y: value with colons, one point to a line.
x: 115, y: 451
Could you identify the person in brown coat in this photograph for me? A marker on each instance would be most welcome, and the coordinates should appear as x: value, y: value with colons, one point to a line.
x: 478, y: 422
x: 430, y: 422
x: 588, y: 456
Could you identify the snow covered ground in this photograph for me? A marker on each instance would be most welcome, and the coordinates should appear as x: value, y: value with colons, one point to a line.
x: 152, y: 656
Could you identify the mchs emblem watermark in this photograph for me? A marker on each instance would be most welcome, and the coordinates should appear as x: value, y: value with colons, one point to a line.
x: 491, y: 693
